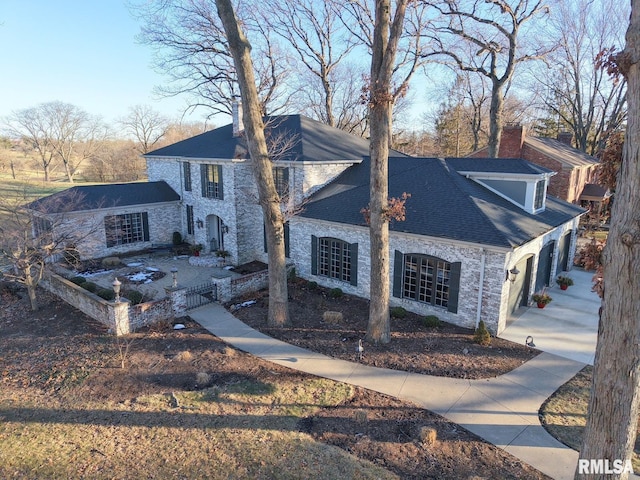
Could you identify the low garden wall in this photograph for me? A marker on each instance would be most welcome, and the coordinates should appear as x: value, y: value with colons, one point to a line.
x: 229, y: 288
x: 120, y: 317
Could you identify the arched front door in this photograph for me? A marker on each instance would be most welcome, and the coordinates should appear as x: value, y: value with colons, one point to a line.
x: 215, y: 233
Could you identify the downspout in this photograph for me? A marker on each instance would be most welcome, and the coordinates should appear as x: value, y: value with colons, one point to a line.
x: 483, y: 261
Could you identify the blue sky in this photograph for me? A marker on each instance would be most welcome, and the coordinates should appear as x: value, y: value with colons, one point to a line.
x: 81, y: 52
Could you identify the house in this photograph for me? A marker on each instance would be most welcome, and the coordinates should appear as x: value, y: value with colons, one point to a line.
x: 117, y: 218
x: 480, y: 235
x: 574, y: 169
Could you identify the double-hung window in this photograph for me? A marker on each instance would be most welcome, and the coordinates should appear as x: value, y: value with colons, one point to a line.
x: 211, y: 176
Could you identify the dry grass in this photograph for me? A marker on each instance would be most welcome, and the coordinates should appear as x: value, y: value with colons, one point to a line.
x: 180, y: 435
x: 564, y: 414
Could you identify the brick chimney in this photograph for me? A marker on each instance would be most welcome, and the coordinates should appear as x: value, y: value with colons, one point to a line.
x: 236, y: 116
x: 511, y: 141
x: 565, y: 137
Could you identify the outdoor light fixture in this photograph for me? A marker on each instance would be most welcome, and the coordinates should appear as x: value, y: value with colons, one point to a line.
x: 116, y: 289
x: 200, y: 223
x: 512, y: 274
x: 174, y: 275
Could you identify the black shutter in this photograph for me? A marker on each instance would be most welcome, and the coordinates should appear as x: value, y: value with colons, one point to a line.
x: 285, y: 180
x: 314, y: 255
x: 145, y: 226
x: 398, y: 267
x: 220, y: 183
x: 203, y: 179
x: 353, y: 253
x: 454, y: 287
x: 110, y: 230
x: 286, y: 239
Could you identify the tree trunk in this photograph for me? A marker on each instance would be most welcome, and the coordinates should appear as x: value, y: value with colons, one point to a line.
x: 613, y: 410
x: 385, y: 43
x: 254, y: 130
x: 495, y: 120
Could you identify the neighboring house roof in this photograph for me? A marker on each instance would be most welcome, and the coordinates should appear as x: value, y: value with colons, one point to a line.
x: 92, y: 197
x: 563, y: 153
x: 443, y: 203
x: 306, y: 140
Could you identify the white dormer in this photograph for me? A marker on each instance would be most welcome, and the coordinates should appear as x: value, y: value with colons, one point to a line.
x: 527, y: 191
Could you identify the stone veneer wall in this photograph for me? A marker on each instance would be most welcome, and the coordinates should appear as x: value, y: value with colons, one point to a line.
x: 469, y: 255
x: 163, y: 218
x: 229, y: 288
x: 121, y: 318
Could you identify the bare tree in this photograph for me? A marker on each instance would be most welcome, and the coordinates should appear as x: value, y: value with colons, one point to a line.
x: 262, y: 167
x: 75, y: 135
x: 612, y: 417
x: 35, y: 128
x: 572, y: 87
x: 319, y: 40
x: 386, y: 36
x: 146, y: 125
x: 191, y: 49
x: 34, y: 234
x: 483, y: 37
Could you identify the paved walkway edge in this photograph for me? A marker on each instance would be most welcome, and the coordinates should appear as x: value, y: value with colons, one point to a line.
x: 501, y: 410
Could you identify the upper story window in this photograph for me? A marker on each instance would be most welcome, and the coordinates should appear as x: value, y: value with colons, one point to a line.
x: 426, y: 279
x: 281, y: 179
x: 334, y: 258
x: 538, y: 201
x: 186, y: 173
x: 126, y: 228
x: 211, y: 176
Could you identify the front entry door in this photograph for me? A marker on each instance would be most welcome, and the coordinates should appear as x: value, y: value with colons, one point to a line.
x: 214, y: 233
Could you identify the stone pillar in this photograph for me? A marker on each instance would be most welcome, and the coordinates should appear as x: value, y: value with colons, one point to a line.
x: 119, y: 317
x: 178, y: 296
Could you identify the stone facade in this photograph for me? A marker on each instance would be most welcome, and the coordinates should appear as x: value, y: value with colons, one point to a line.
x: 162, y: 218
x: 239, y: 209
x: 486, y: 300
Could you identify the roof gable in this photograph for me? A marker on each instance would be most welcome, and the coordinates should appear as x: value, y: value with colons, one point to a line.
x: 443, y: 203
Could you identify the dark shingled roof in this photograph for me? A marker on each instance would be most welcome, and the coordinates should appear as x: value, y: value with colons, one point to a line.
x: 311, y: 141
x: 91, y: 197
x: 443, y: 203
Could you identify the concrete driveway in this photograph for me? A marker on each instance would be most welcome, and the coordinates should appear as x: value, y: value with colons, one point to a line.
x: 567, y: 327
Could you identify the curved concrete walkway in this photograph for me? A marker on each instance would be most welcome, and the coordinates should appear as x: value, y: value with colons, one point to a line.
x: 502, y: 410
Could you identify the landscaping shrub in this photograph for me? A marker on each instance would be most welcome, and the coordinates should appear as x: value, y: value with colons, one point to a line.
x: 177, y: 238
x: 90, y: 286
x: 335, y: 293
x: 106, y: 294
x: 134, y: 296
x: 291, y: 274
x: 78, y: 280
x: 482, y: 335
x: 431, y: 321
x: 312, y: 285
x: 398, y: 312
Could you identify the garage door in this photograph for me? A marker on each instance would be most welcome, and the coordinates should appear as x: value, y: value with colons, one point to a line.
x: 544, y: 266
x: 563, y: 253
x: 519, y: 290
